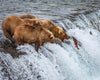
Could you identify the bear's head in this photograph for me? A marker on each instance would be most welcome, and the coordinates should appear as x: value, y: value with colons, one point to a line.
x: 47, y: 35
x: 57, y: 31
x: 60, y: 34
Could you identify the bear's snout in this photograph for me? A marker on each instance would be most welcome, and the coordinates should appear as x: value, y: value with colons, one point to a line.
x: 67, y: 37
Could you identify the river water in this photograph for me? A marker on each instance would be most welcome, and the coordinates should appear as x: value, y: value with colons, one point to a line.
x: 59, y: 61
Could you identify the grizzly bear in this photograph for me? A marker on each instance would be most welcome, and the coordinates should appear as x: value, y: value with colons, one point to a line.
x: 38, y: 35
x: 10, y: 23
x: 57, y: 31
x: 27, y: 16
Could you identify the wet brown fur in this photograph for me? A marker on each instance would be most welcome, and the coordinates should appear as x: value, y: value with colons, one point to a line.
x: 27, y: 16
x: 9, y: 24
x: 32, y: 22
x: 38, y: 35
x: 57, y: 31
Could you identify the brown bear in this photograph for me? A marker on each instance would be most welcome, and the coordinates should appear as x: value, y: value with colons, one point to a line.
x: 27, y: 16
x: 57, y: 31
x: 10, y: 23
x: 38, y: 35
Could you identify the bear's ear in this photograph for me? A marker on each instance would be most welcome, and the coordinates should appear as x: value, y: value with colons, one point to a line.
x: 51, y: 36
x: 36, y: 22
x: 59, y: 32
x: 49, y: 22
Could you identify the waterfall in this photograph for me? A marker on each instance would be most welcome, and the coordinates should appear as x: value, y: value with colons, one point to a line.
x: 58, y: 61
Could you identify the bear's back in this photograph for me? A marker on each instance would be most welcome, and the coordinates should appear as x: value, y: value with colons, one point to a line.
x: 27, y: 16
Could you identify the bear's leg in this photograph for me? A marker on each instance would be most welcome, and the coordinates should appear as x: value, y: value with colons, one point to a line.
x: 20, y: 43
x: 42, y: 43
x: 8, y: 35
x: 37, y: 45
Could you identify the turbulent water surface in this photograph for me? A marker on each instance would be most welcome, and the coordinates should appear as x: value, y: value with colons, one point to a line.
x: 58, y: 61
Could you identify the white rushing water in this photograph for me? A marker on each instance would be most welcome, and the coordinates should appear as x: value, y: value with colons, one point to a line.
x: 59, y: 61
